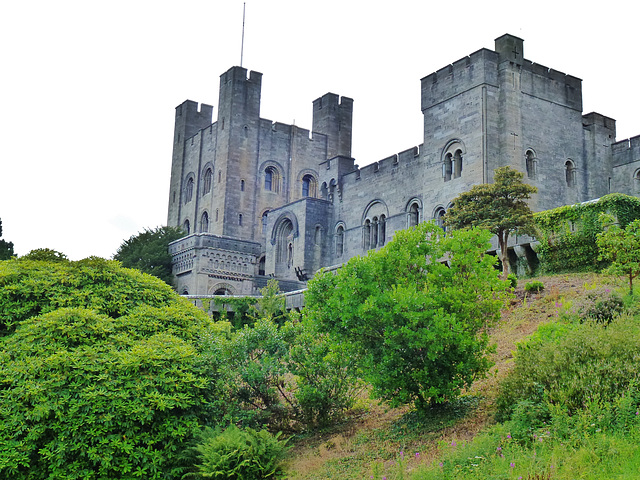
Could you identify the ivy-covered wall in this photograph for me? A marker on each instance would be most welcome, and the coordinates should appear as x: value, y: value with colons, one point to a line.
x: 567, y: 235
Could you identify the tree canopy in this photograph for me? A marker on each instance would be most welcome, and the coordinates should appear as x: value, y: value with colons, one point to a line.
x: 103, y: 376
x: 621, y: 246
x: 6, y: 248
x: 500, y: 207
x: 148, y: 252
x: 416, y: 310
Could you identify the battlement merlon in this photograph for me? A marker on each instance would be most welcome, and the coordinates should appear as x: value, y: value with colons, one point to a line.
x: 510, y: 49
x: 191, y: 118
x: 599, y: 120
x: 333, y: 117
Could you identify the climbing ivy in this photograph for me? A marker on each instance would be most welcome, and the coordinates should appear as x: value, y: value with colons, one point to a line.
x: 568, y: 234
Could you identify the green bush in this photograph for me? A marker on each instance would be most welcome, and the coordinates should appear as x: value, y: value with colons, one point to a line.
x: 327, y: 377
x: 235, y: 454
x: 111, y: 382
x: 570, y: 364
x: 534, y: 286
x: 513, y: 279
x: 419, y: 325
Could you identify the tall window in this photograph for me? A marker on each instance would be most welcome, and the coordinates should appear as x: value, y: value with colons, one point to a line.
x: 414, y: 215
x: 439, y: 217
x: 382, y: 228
x: 366, y: 235
x: 240, y: 219
x: 570, y: 173
x: 208, y: 180
x: 264, y: 222
x: 457, y: 164
x: 204, y: 223
x: 340, y: 241
x: 242, y: 185
x: 447, y: 167
x: 188, y: 192
x: 186, y: 227
x: 530, y: 159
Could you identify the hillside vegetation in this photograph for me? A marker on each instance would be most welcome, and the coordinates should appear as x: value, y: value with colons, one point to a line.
x: 563, y: 387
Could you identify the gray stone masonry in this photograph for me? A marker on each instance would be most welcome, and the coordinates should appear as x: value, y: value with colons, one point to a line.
x: 260, y: 199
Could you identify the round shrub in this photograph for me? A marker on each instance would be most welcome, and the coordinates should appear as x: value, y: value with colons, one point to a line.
x: 103, y: 373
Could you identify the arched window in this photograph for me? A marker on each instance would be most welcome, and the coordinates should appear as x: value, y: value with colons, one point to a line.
x: 636, y: 181
x: 414, y: 215
x: 208, y: 180
x: 366, y: 235
x: 271, y: 179
x: 438, y: 217
x: 339, y: 241
x: 217, y: 213
x: 531, y: 161
x: 382, y: 229
x: 457, y: 164
x: 268, y: 179
x: 570, y: 173
x: 309, y: 186
x: 374, y: 232
x: 242, y: 185
x: 447, y: 167
x: 188, y: 191
x: 186, y: 226
x: 240, y: 219
x: 204, y: 223
x: 264, y: 222
x: 284, y: 247
x: 261, y: 265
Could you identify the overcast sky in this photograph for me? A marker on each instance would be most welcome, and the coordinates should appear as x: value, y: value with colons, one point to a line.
x: 89, y: 88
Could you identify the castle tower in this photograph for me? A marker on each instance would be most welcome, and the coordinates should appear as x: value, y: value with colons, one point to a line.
x: 189, y: 121
x: 236, y: 152
x: 509, y: 122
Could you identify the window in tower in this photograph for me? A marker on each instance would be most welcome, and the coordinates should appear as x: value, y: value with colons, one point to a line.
x: 208, y: 180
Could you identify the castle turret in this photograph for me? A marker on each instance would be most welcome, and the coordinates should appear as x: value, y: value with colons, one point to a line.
x: 333, y: 118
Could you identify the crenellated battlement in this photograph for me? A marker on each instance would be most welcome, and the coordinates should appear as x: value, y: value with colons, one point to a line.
x: 627, y: 146
x: 385, y: 165
x: 469, y: 72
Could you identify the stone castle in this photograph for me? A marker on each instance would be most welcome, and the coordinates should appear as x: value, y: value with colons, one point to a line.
x: 259, y: 199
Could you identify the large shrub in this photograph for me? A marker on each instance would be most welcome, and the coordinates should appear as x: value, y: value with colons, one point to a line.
x: 571, y: 364
x: 418, y: 322
x: 103, y: 374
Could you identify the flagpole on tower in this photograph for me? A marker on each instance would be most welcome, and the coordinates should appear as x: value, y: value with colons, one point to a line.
x: 244, y: 8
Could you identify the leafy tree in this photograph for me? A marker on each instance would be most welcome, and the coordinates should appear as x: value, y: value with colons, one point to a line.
x: 418, y: 322
x: 622, y: 248
x: 6, y: 248
x: 500, y: 207
x: 149, y: 252
x: 45, y: 255
x: 104, y: 374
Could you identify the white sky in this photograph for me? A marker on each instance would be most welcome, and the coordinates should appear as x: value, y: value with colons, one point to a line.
x: 89, y: 88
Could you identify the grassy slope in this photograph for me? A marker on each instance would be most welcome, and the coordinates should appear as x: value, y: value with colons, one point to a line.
x: 375, y: 435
